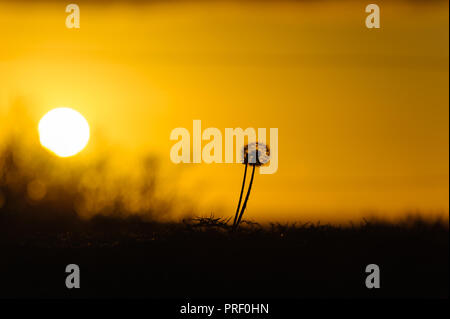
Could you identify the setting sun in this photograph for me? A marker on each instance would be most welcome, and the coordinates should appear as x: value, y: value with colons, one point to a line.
x: 64, y: 131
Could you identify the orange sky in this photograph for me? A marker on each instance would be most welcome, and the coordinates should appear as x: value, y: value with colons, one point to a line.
x: 363, y: 115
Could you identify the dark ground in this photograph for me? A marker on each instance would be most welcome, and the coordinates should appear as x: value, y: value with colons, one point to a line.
x: 132, y: 258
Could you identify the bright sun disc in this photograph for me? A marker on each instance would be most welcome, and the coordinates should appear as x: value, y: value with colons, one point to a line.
x: 64, y: 131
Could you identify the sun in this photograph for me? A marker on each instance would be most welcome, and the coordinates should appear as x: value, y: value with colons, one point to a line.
x: 64, y: 131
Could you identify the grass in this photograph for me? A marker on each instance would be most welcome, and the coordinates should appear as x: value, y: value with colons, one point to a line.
x: 202, y: 257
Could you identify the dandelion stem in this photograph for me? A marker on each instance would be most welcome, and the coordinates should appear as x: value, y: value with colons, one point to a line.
x: 246, y: 197
x: 240, y: 197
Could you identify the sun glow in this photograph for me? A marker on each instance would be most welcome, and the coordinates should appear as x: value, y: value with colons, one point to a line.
x: 64, y: 131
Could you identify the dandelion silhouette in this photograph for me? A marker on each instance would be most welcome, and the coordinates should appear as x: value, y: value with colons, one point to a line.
x: 253, y: 154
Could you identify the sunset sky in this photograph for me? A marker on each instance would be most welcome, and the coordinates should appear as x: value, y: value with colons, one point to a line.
x: 363, y: 115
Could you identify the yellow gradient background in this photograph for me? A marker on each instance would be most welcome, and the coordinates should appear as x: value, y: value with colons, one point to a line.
x: 363, y: 115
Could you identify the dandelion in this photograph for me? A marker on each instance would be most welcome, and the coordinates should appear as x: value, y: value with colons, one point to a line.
x: 253, y: 154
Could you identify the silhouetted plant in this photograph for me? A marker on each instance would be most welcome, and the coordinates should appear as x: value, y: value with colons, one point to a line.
x: 253, y: 154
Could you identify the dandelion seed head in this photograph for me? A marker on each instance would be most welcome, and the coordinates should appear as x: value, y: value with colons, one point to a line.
x: 256, y: 154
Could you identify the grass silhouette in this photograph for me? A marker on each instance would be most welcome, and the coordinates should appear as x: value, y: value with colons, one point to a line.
x: 201, y: 257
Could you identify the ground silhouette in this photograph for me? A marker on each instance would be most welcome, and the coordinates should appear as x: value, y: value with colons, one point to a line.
x: 129, y: 257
